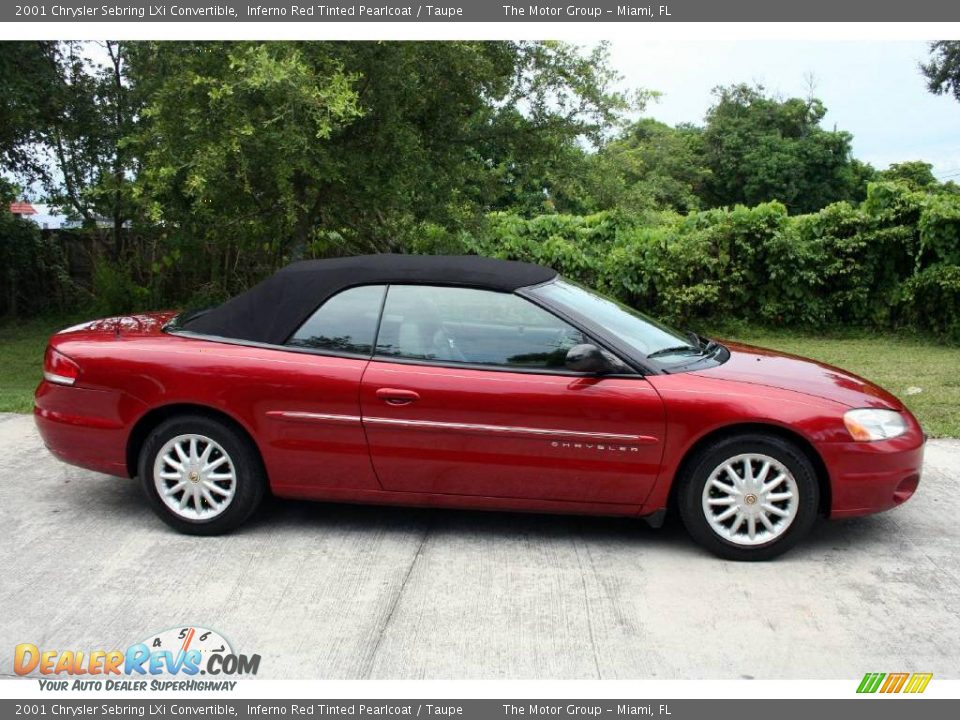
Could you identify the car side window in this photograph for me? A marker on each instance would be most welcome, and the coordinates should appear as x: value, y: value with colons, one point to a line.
x: 347, y: 322
x: 469, y: 326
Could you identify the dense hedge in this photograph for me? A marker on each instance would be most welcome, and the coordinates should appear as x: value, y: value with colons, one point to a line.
x: 34, y: 278
x: 893, y: 261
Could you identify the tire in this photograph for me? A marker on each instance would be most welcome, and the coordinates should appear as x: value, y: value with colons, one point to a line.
x: 703, y: 502
x: 214, y: 504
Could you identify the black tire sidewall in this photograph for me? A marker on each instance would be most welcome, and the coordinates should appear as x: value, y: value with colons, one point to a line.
x: 250, y: 477
x: 702, y: 465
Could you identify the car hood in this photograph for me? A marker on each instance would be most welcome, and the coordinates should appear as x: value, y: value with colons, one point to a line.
x: 760, y: 366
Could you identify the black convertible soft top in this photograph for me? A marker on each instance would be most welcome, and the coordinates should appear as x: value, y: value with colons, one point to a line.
x: 271, y: 311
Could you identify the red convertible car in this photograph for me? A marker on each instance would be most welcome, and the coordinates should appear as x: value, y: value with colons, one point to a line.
x: 473, y: 383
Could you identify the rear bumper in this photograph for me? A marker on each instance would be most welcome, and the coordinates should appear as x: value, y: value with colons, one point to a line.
x: 872, y: 477
x: 82, y: 427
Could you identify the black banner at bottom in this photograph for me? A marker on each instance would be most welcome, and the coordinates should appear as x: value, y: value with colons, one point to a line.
x: 876, y: 708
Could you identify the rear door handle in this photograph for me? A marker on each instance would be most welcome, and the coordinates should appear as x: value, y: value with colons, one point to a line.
x: 393, y: 396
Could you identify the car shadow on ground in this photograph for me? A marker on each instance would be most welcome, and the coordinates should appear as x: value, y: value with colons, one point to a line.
x: 294, y: 515
x: 124, y: 499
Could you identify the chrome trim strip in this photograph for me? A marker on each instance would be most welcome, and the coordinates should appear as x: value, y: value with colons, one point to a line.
x: 465, y: 427
x: 321, y: 417
x: 512, y: 430
x: 58, y: 379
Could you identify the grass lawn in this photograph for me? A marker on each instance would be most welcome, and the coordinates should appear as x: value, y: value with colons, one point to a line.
x: 21, y: 360
x: 893, y: 361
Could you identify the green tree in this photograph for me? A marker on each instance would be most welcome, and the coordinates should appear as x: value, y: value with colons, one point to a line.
x: 759, y: 148
x: 33, y: 274
x: 346, y: 146
x: 64, y: 126
x: 231, y: 146
x: 92, y: 113
x: 27, y: 73
x: 651, y: 166
x: 915, y: 173
x: 943, y: 69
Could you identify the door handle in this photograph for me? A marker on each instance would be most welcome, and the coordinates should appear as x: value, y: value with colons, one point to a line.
x: 393, y: 396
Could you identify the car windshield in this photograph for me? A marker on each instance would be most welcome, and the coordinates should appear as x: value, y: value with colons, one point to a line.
x: 644, y: 334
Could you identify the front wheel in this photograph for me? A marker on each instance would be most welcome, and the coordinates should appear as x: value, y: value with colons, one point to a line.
x: 749, y: 497
x: 202, y: 477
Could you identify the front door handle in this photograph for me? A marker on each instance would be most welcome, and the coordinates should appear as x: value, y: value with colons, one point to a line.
x: 393, y: 396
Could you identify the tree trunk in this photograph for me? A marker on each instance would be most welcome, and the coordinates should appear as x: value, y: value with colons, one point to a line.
x: 116, y: 57
x: 307, y: 210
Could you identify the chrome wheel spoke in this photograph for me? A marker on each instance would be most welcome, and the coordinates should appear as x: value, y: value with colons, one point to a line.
x: 737, y: 480
x: 214, y: 464
x: 767, y: 487
x: 725, y: 488
x: 216, y: 488
x: 727, y: 514
x: 774, y: 510
x: 750, y: 499
x: 175, y: 489
x: 737, y: 522
x: 205, y: 492
x: 762, y: 475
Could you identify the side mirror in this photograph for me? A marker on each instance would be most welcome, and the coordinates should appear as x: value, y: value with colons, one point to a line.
x: 587, y: 358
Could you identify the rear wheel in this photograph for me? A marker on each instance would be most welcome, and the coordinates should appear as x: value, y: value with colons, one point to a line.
x: 202, y: 477
x: 749, y: 497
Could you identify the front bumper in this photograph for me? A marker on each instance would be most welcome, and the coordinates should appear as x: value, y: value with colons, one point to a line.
x: 870, y: 477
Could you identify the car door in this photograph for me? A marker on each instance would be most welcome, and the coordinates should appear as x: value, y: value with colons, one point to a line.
x: 308, y: 398
x: 467, y: 394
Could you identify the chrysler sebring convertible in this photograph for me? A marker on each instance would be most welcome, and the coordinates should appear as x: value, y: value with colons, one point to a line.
x: 469, y: 382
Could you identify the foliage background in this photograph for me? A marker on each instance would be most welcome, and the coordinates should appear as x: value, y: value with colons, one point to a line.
x: 195, y: 169
x: 888, y: 262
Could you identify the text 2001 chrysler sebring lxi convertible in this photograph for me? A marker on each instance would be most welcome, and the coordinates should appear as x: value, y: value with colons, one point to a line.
x: 475, y: 383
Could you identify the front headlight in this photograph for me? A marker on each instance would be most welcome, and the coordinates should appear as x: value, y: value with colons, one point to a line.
x: 869, y: 424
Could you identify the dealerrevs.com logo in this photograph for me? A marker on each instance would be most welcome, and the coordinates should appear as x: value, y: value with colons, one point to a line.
x: 170, y: 660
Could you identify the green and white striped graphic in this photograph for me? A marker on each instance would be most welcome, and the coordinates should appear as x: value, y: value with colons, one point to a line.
x: 894, y: 682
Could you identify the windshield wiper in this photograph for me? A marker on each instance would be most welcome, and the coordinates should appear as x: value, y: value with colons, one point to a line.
x: 695, y: 340
x: 674, y: 351
x: 705, y: 344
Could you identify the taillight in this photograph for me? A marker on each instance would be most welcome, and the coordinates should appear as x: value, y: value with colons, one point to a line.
x: 59, y: 369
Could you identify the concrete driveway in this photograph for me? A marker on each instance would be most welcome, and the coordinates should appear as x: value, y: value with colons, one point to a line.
x: 334, y: 591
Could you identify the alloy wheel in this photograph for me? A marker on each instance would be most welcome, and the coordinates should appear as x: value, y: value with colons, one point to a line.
x: 194, y: 477
x: 750, y: 499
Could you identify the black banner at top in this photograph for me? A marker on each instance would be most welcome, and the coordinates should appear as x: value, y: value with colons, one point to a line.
x: 481, y: 11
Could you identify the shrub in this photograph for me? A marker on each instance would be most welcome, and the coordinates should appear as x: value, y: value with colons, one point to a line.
x: 931, y: 300
x: 116, y: 291
x: 890, y: 261
x: 33, y: 270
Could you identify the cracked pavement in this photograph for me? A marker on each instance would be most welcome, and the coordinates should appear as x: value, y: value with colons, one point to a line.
x: 340, y: 591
